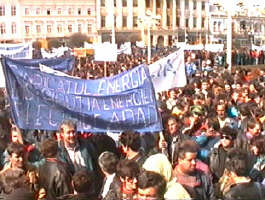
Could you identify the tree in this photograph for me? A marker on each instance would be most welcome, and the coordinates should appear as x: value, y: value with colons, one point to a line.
x: 36, y: 44
x: 54, y: 43
x: 77, y: 40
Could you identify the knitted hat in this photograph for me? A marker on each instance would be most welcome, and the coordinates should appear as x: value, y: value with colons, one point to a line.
x: 198, y: 110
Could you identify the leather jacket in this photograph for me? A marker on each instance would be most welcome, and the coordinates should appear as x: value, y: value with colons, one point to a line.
x: 217, y: 162
x: 90, y: 155
x: 55, y: 179
x: 88, y: 152
x: 205, y: 191
x: 246, y: 191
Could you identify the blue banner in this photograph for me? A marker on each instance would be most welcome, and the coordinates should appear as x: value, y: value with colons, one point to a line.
x: 65, y: 64
x: 123, y: 102
x: 16, y: 51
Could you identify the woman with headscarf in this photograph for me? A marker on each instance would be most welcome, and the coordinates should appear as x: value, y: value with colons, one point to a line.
x: 159, y: 163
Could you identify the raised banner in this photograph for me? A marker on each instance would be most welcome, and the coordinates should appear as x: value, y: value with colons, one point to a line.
x: 61, y: 64
x: 65, y: 64
x: 169, y: 72
x: 41, y: 101
x: 16, y: 51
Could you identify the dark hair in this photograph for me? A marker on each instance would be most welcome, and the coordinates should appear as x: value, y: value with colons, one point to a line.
x: 108, y: 162
x: 13, y: 179
x: 49, y: 148
x: 213, y: 122
x: 152, y: 179
x: 237, y: 162
x: 252, y: 123
x: 127, y: 168
x: 227, y: 130
x: 244, y: 109
x: 21, y: 194
x: 82, y: 180
x: 259, y: 143
x: 187, y: 146
x: 175, y: 118
x: 131, y: 140
x: 17, y: 148
x: 67, y: 122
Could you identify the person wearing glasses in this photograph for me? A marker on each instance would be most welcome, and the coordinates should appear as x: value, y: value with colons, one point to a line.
x: 124, y: 185
x: 219, y: 152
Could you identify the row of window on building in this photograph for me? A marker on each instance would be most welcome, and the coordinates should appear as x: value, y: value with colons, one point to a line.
x: 169, y: 22
x: 3, y: 28
x: 58, y: 11
x: 46, y: 11
x: 59, y: 28
x: 157, y: 2
x: 3, y: 10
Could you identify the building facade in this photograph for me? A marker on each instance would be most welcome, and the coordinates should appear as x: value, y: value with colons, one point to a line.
x: 193, y: 21
x: 9, y: 20
x: 248, y: 23
x: 30, y: 20
x: 179, y: 20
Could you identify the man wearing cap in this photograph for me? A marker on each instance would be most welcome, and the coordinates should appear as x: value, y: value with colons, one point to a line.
x: 220, y: 151
x: 194, y: 121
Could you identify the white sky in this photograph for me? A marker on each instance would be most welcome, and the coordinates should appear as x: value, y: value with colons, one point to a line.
x: 247, y: 3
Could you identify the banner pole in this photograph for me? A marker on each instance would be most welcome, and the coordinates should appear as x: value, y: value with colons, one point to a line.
x: 105, y: 69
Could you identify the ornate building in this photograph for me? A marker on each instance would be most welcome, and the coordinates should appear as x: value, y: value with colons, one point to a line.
x: 248, y: 23
x: 29, y: 20
x: 179, y: 20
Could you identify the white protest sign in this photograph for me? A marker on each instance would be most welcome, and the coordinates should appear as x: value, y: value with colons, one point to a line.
x: 125, y: 48
x: 105, y: 52
x: 214, y: 47
x: 169, y: 72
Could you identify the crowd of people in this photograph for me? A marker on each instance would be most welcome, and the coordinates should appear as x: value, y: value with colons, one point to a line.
x: 211, y: 146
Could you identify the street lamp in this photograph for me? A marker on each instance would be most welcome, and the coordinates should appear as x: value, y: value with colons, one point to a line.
x: 112, y: 24
x: 229, y: 40
x: 229, y: 32
x: 148, y: 20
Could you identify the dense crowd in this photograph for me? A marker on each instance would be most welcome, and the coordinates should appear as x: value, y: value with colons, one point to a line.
x: 211, y: 147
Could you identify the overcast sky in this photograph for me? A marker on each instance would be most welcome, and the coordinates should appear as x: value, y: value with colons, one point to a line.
x: 246, y: 2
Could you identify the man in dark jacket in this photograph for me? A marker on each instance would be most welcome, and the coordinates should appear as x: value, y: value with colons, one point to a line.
x: 253, y: 130
x: 74, y: 151
x: 81, y: 181
x: 131, y: 147
x: 53, y: 174
x: 220, y: 151
x: 235, y: 183
x: 172, y: 137
x: 78, y: 153
x: 197, y: 183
